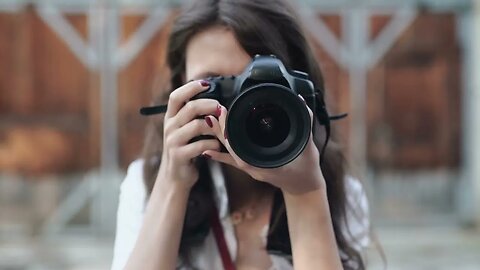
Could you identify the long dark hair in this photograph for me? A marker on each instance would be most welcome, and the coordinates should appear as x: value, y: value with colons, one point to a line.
x: 261, y: 27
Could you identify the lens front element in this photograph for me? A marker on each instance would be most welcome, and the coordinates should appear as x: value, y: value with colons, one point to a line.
x: 268, y: 125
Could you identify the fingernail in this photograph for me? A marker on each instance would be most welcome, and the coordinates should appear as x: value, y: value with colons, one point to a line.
x: 205, y: 83
x: 207, y: 156
x: 225, y: 135
x: 209, y: 121
x: 218, y: 112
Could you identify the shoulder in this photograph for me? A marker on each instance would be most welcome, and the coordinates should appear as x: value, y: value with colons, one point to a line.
x: 134, y: 177
x: 356, y: 196
x: 130, y: 210
x: 132, y: 189
x: 355, y: 191
x: 357, y: 224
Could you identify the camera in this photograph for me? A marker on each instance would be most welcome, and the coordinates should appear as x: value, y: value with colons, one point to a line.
x: 268, y: 124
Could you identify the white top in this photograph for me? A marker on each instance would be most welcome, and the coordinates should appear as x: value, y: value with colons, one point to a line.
x: 133, y: 201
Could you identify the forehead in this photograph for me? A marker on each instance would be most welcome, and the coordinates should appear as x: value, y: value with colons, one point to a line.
x: 214, y: 51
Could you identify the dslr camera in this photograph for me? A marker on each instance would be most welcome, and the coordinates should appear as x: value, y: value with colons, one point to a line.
x: 268, y: 124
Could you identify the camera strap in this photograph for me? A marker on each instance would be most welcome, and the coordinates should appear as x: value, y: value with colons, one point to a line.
x: 324, y: 118
x: 220, y: 240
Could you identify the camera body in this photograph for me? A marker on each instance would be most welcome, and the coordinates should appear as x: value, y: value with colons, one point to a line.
x: 268, y: 124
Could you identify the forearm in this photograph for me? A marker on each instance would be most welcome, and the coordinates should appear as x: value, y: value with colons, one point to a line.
x: 159, y: 239
x: 311, y: 231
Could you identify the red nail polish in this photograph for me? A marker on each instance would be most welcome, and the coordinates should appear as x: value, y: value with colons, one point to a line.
x: 218, y: 111
x: 207, y: 156
x: 225, y: 134
x: 205, y: 83
x: 209, y: 121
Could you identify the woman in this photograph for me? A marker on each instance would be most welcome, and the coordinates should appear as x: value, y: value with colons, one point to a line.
x: 304, y: 211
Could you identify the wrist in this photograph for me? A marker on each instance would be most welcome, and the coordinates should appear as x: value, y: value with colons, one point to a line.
x: 304, y: 184
x: 165, y: 184
x: 311, y: 196
x: 169, y: 179
x: 305, y: 204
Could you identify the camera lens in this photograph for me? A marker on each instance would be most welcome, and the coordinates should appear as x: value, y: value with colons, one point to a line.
x: 268, y: 125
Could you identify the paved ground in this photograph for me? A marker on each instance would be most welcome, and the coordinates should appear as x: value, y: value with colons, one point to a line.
x: 429, y: 248
x: 75, y: 253
x: 405, y: 248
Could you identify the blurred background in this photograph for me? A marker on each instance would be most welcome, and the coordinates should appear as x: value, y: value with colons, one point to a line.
x: 73, y: 74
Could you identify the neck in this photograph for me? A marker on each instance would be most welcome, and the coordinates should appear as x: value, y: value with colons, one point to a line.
x: 242, y: 189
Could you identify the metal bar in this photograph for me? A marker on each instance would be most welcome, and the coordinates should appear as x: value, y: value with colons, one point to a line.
x: 11, y: 7
x: 123, y: 10
x: 95, y: 26
x: 104, y: 55
x: 108, y: 91
x: 401, y: 20
x: 67, y: 209
x: 88, y: 187
x: 143, y: 6
x: 145, y: 33
x: 54, y: 19
x: 356, y: 54
x: 324, y: 36
x: 465, y: 196
x: 356, y: 30
x: 468, y: 196
x: 108, y: 116
x: 474, y: 104
x: 440, y: 5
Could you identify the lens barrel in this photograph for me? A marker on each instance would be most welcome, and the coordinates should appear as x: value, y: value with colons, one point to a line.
x: 268, y: 125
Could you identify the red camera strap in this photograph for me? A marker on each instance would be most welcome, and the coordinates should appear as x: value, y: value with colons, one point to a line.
x: 221, y: 243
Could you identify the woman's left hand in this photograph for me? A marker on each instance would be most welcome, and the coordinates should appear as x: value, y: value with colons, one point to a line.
x: 297, y: 177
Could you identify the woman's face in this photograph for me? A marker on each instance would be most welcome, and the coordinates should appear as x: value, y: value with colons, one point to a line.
x: 214, y: 52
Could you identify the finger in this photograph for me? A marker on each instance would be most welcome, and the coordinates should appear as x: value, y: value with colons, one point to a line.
x: 222, y: 119
x: 309, y: 111
x: 221, y: 157
x: 195, y: 149
x: 219, y: 133
x: 218, y: 127
x: 196, y: 108
x: 240, y: 163
x: 190, y: 130
x: 181, y: 95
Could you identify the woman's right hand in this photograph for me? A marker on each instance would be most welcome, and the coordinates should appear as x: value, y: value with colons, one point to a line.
x: 181, y: 125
